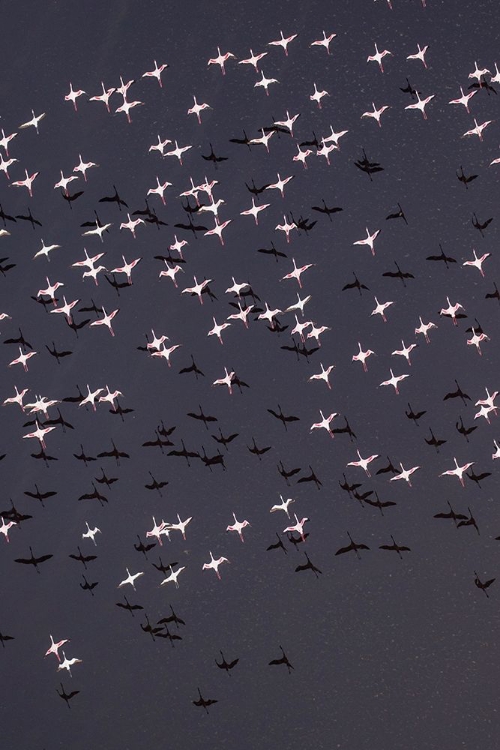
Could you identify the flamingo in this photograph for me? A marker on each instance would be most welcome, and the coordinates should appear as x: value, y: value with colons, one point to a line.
x: 253, y: 60
x: 255, y: 210
x: 325, y: 150
x: 286, y: 227
x: 299, y: 305
x: 106, y: 320
x: 68, y: 663
x: 124, y: 87
x: 197, y: 288
x: 488, y: 401
x: 378, y: 57
x: 376, y: 113
x: 381, y: 308
x: 180, y: 526
x: 131, y: 224
x: 27, y: 182
x: 130, y: 579
x: 173, y: 576
x: 269, y: 315
x: 283, y: 505
x: 110, y: 397
x: 424, y: 329
x: 325, y: 423
x: 83, y: 166
x: 464, y: 98
x: 91, y: 397
x: 288, y: 123
x: 218, y: 229
x: 160, y: 146
x: 23, y: 358
x: 50, y: 290
x: 362, y: 357
x: 242, y: 314
x: 298, y: 527
x: 5, y: 164
x: 405, y: 351
x: 33, y: 123
x: 217, y: 330
x: 17, y: 398
x: 394, y: 380
x: 405, y: 474
x: 40, y: 433
x: 104, y: 97
x: 297, y: 272
x: 177, y: 151
x: 420, y: 54
x: 476, y: 340
x: 451, y: 311
x: 478, y: 73
x: 323, y: 375
x: 166, y: 353
x: 4, y: 528
x: 171, y: 272
x: 87, y: 262
x: 197, y: 109
x: 458, y: 471
x: 73, y: 96
x: 126, y: 107
x: 45, y: 250
x: 127, y: 268
x: 421, y: 104
x: 156, y: 73
x: 496, y: 454
x: 238, y: 526
x: 221, y: 60
x: 302, y: 156
x: 317, y: 96
x: 363, y: 462
x: 263, y: 140
x: 214, y: 564
x: 316, y: 332
x: 476, y: 130
x: 325, y: 42
x: 283, y: 42
x: 265, y: 82
x: 369, y: 239
x: 64, y: 182
x: 90, y: 533
x: 54, y: 647
x: 477, y: 262
x: 160, y: 190
x: 5, y: 140
x: 226, y: 380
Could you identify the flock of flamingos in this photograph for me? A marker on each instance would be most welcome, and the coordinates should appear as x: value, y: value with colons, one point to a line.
x: 74, y: 310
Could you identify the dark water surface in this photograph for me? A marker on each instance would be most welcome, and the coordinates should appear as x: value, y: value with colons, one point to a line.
x: 387, y: 652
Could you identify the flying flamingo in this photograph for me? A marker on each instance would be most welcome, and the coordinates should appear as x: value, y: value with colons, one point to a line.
x: 363, y: 462
x: 394, y: 380
x: 283, y: 505
x: 73, y: 95
x: 238, y: 526
x: 458, y: 471
x: 54, y: 648
x: 214, y: 564
x: 298, y: 527
x: 4, y: 528
x: 378, y: 57
x: 156, y: 73
x: 68, y: 663
x: 362, y: 357
x: 325, y: 42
